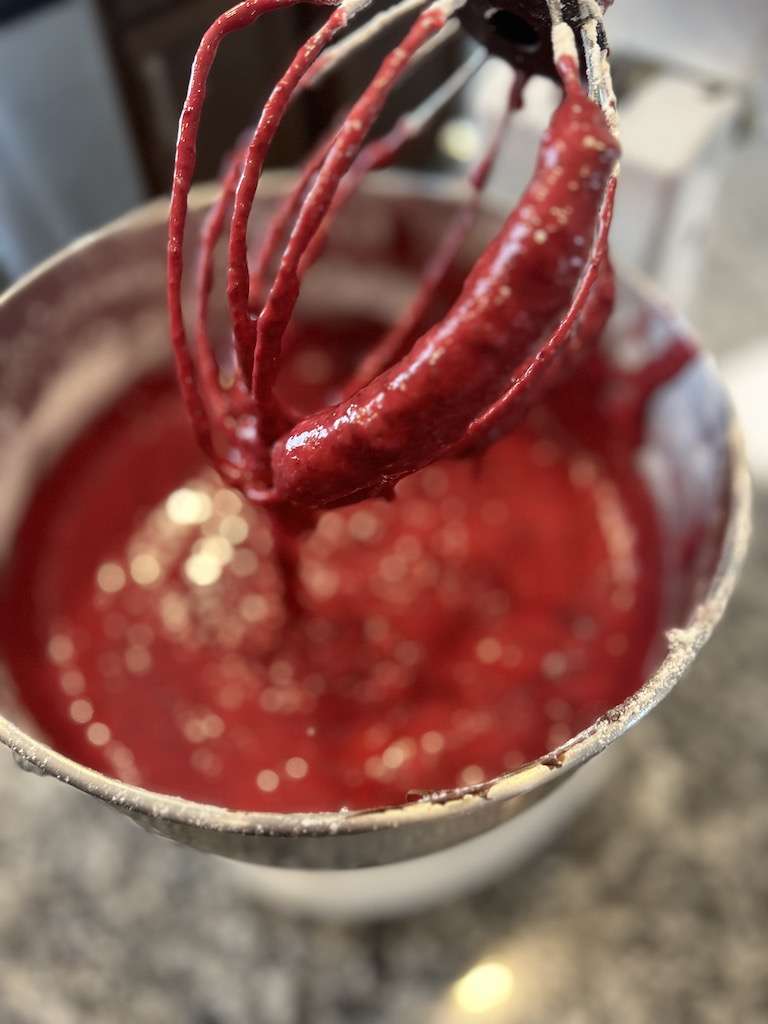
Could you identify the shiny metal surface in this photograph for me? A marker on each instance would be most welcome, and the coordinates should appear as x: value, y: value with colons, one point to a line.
x: 106, y: 295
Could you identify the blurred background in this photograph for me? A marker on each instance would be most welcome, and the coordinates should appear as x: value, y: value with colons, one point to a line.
x: 655, y: 906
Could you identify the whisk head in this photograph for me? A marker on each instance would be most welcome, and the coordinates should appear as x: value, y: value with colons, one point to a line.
x: 238, y: 423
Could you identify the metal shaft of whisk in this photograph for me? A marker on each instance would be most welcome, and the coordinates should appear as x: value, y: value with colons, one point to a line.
x: 599, y: 76
x: 598, y: 67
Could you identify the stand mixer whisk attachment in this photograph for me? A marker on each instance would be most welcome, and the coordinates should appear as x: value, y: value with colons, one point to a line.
x: 538, y: 296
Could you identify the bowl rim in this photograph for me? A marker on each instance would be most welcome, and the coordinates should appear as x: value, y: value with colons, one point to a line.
x: 683, y: 643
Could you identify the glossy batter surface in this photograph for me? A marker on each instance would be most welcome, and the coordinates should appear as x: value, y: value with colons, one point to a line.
x: 494, y: 608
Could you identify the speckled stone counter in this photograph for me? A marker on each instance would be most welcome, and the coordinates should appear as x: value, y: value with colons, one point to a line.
x: 653, y: 907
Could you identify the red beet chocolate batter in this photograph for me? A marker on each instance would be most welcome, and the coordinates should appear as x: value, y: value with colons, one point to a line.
x: 494, y: 608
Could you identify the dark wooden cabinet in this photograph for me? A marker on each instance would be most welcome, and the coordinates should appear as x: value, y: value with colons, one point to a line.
x: 152, y: 43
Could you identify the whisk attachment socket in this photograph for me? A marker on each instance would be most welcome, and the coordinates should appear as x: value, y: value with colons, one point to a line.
x: 518, y: 31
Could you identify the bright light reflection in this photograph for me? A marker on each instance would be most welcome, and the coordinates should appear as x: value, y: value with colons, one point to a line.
x: 187, y: 507
x: 202, y: 570
x: 145, y: 569
x: 110, y: 577
x: 485, y: 987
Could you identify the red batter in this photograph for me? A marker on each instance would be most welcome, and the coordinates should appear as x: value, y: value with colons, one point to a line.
x: 489, y: 612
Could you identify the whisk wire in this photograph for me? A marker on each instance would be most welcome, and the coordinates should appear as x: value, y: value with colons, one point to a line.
x: 360, y: 37
x: 239, y: 17
x: 398, y: 339
x: 382, y: 151
x: 238, y: 278
x: 344, y: 149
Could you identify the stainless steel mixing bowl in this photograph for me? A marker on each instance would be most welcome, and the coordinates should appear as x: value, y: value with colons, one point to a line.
x: 96, y: 313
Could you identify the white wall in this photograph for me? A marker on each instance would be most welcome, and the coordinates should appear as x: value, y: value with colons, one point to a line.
x: 726, y: 37
x: 66, y: 163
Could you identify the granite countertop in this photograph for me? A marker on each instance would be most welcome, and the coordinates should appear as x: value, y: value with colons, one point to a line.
x: 653, y: 907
